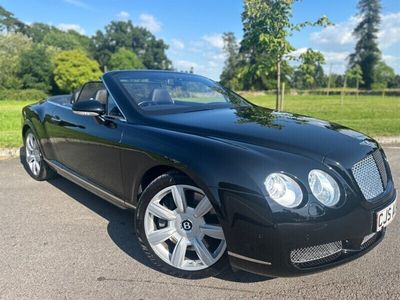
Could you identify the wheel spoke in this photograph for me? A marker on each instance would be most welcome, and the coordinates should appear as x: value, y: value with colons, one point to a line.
x: 34, y: 144
x: 161, y: 235
x: 34, y: 171
x: 178, y: 194
x: 178, y: 256
x: 213, y: 231
x: 29, y: 143
x: 37, y: 166
x: 161, y: 212
x: 203, y: 253
x: 202, y: 208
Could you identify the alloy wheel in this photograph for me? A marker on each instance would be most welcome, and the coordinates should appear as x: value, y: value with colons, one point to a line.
x: 33, y: 155
x: 182, y: 228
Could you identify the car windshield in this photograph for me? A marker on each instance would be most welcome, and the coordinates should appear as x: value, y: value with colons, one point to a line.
x: 168, y: 92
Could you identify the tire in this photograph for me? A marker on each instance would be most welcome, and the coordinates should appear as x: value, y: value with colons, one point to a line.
x: 179, y: 236
x: 33, y: 160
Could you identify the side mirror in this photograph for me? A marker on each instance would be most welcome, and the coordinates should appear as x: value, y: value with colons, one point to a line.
x: 91, y: 108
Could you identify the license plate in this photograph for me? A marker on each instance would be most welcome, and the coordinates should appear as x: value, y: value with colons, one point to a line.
x: 385, y: 216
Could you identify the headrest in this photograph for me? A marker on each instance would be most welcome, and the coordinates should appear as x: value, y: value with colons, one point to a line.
x: 101, y: 96
x: 161, y: 96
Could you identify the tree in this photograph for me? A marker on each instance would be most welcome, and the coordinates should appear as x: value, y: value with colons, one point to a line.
x: 339, y: 80
x: 367, y: 53
x: 229, y: 75
x: 9, y: 23
x: 120, y: 34
x: 35, y: 68
x: 394, y: 83
x: 355, y: 75
x: 62, y: 41
x: 54, y: 37
x: 124, y: 59
x: 73, y: 68
x: 311, y: 68
x: 267, y: 26
x: 383, y: 74
x: 12, y: 45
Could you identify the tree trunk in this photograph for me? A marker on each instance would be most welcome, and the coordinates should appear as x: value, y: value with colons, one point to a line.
x: 329, y: 80
x: 278, y: 85
x: 357, y: 87
x: 282, y: 96
x: 343, y: 90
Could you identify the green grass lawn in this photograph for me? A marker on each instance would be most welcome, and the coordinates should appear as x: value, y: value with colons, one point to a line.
x: 10, y: 123
x: 373, y: 115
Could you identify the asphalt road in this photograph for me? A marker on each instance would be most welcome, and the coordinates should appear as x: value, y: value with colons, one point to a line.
x: 60, y: 242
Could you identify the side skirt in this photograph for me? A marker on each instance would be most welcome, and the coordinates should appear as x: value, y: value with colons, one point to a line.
x: 91, y: 187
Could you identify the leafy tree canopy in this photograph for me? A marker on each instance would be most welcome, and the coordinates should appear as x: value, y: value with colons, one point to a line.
x: 35, y: 68
x: 72, y: 68
x: 311, y: 67
x: 267, y: 26
x: 383, y: 75
x: 229, y: 75
x: 54, y: 37
x: 367, y: 53
x: 124, y: 59
x: 120, y: 34
x: 12, y: 45
x: 354, y: 75
x: 9, y: 23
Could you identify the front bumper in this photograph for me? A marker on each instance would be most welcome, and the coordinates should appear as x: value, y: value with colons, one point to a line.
x: 286, y: 268
x: 286, y: 248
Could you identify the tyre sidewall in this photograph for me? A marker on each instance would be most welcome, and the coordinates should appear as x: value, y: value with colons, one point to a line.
x: 45, y: 171
x: 157, y: 185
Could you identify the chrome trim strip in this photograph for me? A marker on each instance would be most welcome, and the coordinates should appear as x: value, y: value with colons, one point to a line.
x: 249, y: 259
x: 86, y: 113
x: 90, y: 187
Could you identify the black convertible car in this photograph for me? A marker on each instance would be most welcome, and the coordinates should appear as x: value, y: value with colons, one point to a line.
x: 213, y: 179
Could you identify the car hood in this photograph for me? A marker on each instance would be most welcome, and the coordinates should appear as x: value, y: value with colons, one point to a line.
x: 276, y: 130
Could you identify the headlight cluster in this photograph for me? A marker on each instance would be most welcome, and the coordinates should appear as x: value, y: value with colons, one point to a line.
x: 287, y: 192
x: 324, y: 187
x: 283, y: 190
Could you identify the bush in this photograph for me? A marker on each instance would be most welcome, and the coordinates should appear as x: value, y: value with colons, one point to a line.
x: 28, y: 94
x: 73, y: 68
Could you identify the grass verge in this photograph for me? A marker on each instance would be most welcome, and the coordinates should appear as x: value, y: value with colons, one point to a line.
x: 373, y: 115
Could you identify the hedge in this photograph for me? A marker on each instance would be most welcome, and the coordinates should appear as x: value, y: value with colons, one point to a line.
x: 28, y: 94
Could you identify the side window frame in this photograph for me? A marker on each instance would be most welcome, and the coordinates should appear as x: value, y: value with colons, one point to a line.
x: 110, y: 97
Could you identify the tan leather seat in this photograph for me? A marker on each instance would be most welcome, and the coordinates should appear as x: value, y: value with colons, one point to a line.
x: 161, y: 96
x: 101, y: 96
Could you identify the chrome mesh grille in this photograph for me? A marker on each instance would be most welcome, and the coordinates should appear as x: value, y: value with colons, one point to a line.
x: 370, y: 175
x: 369, y: 240
x: 303, y: 255
x: 380, y: 163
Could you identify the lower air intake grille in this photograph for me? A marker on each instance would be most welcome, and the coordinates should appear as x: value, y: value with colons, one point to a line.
x: 369, y: 240
x: 370, y: 175
x: 315, y: 253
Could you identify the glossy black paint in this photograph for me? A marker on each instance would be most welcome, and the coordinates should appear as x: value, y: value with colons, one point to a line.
x: 89, y: 106
x: 228, y: 152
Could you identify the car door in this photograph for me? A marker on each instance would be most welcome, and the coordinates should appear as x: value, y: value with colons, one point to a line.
x: 90, y: 146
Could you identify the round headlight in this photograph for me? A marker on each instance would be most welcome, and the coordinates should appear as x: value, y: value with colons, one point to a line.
x: 283, y: 190
x: 324, y: 187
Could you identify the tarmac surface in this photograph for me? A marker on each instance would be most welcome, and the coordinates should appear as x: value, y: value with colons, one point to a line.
x: 59, y: 241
